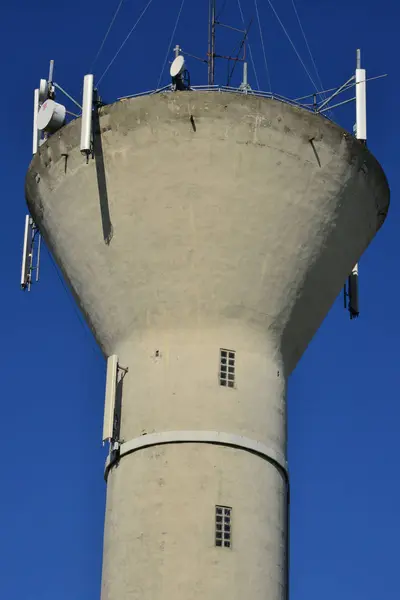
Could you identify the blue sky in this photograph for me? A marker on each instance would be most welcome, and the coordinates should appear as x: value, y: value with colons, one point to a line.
x: 343, y: 401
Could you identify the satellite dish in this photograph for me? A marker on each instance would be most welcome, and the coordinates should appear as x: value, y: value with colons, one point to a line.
x: 177, y: 66
x: 51, y: 116
x: 43, y: 90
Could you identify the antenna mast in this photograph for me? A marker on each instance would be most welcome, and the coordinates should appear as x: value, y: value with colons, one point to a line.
x: 211, y: 42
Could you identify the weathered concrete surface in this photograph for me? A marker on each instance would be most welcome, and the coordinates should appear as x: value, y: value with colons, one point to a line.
x: 207, y: 221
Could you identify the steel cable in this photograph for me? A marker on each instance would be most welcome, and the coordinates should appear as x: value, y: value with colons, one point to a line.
x: 263, y: 47
x: 106, y: 36
x: 308, y: 46
x: 125, y: 40
x: 291, y: 43
x: 248, y: 44
x: 170, y: 43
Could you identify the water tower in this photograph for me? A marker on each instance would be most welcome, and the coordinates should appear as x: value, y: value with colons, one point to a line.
x: 205, y: 235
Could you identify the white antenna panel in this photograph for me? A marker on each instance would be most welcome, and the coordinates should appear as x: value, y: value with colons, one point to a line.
x: 43, y: 90
x: 36, y: 135
x: 177, y: 66
x: 361, y: 104
x: 86, y: 122
x: 111, y: 392
x: 51, y: 116
x: 26, y: 254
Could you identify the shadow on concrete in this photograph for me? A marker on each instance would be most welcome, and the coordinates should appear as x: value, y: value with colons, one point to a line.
x: 315, y: 151
x: 101, y: 178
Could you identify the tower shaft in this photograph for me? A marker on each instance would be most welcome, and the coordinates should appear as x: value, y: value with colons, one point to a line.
x: 161, y: 536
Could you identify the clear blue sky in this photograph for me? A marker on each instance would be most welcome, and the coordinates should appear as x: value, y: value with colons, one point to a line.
x: 343, y: 398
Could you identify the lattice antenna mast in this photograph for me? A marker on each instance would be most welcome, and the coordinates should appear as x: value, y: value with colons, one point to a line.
x: 211, y: 41
x: 213, y: 22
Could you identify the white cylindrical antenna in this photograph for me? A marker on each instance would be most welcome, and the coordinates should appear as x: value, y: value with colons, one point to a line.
x: 245, y: 82
x: 361, y: 100
x: 177, y: 50
x: 36, y: 134
x: 87, y: 108
x: 244, y: 86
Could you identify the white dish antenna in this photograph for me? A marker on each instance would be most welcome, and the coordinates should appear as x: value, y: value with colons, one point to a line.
x: 51, y: 116
x: 178, y: 66
x: 43, y: 90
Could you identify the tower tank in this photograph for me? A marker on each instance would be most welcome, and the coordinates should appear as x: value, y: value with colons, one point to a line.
x: 205, y: 244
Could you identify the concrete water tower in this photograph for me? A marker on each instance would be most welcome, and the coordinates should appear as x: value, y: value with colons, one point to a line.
x: 205, y: 241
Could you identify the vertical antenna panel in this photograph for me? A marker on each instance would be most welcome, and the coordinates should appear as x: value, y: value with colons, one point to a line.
x: 361, y: 104
x: 87, y: 105
x: 111, y: 391
x: 27, y: 252
x: 35, y: 143
x: 353, y: 293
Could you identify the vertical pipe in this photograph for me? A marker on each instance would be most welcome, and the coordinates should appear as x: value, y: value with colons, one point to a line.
x: 51, y: 71
x: 38, y: 256
x: 245, y: 74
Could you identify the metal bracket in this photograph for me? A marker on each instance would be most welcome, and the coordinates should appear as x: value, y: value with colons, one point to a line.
x: 350, y: 294
x: 112, y: 404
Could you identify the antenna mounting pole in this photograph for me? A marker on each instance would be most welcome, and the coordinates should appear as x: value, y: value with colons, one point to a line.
x: 211, y: 42
x: 358, y: 58
x: 51, y: 71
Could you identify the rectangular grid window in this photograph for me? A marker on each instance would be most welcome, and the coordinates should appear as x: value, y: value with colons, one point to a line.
x: 227, y: 364
x: 223, y: 530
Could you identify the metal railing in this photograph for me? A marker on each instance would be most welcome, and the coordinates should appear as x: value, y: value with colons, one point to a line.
x: 225, y: 89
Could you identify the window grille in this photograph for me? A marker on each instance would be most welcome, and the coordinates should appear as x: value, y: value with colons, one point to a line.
x: 227, y: 366
x: 223, y: 530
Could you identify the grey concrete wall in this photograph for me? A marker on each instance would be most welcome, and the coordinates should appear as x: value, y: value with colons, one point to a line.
x: 206, y: 221
x: 159, y: 536
x: 256, y: 216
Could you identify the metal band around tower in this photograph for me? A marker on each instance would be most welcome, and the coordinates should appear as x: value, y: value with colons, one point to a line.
x: 200, y: 437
